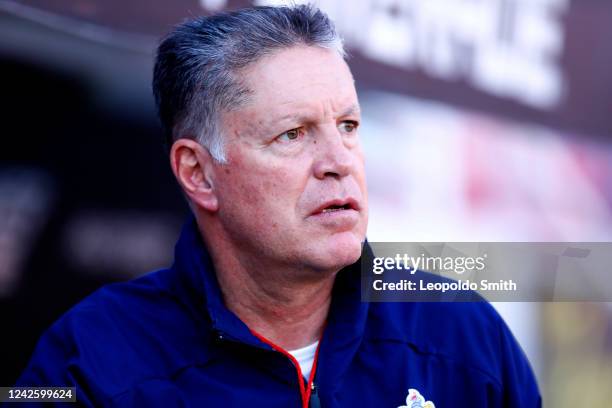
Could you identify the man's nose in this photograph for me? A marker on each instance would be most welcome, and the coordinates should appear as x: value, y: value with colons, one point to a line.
x: 334, y: 157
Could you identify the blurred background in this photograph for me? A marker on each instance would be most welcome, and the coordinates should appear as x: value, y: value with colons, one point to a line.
x: 484, y: 120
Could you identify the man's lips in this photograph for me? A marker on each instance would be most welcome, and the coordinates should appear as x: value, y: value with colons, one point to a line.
x: 337, y: 205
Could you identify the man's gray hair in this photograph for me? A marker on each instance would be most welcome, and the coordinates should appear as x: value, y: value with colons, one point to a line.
x: 196, y: 74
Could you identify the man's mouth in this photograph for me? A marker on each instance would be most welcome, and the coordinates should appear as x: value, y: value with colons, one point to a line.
x: 337, y: 206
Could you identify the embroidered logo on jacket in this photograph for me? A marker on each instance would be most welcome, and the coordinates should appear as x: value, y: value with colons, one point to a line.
x: 416, y: 400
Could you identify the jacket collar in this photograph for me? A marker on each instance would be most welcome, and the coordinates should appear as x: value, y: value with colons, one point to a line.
x: 194, y: 267
x: 346, y: 319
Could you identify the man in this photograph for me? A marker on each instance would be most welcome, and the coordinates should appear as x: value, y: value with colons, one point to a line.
x: 262, y: 305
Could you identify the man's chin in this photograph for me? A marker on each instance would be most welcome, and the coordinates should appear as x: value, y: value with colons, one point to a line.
x: 336, y: 252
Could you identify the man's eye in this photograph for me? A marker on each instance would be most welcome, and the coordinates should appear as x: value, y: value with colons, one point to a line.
x: 290, y: 135
x: 348, y: 126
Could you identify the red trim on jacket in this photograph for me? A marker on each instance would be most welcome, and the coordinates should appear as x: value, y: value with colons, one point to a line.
x: 305, y: 390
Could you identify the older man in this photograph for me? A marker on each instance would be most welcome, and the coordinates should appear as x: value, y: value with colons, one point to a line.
x: 262, y: 305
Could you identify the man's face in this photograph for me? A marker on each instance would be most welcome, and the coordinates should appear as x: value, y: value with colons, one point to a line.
x: 293, y: 192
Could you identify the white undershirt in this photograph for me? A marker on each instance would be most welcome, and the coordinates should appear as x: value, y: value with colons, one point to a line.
x: 305, y: 358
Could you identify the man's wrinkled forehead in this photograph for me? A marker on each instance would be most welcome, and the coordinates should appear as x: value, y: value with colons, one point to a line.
x: 277, y: 70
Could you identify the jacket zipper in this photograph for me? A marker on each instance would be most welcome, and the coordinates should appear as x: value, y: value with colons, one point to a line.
x: 314, y: 402
x: 306, y: 390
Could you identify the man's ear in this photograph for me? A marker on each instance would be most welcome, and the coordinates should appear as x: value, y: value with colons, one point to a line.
x: 193, y: 167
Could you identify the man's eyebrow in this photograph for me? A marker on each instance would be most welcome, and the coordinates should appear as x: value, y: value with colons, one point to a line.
x: 304, y: 117
x: 352, y: 110
x: 292, y: 116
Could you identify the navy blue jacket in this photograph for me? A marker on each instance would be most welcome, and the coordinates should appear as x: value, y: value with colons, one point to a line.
x: 166, y: 339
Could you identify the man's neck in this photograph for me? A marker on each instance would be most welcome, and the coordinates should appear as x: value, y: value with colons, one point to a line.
x: 290, y: 317
x: 290, y: 313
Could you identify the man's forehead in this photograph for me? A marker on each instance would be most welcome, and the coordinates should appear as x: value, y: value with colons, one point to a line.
x: 302, y: 69
x: 297, y: 85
